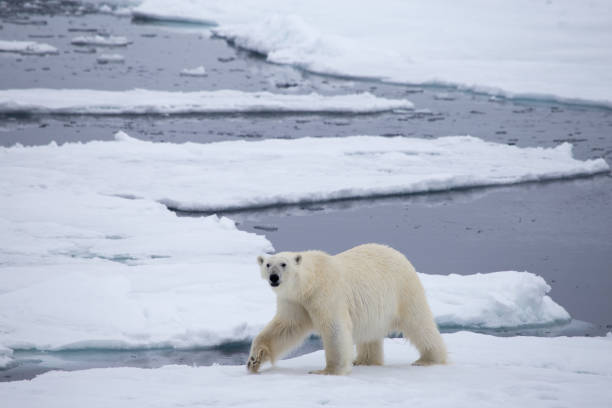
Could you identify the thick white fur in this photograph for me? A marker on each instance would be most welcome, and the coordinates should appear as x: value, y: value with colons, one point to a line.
x: 356, y: 297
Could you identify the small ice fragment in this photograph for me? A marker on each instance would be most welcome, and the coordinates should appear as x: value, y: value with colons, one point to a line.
x: 444, y: 96
x: 105, y: 8
x: 110, y: 41
x: 195, y: 72
x: 122, y: 12
x: 110, y: 58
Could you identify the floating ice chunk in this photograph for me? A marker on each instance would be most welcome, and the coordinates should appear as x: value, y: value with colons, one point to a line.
x: 106, y: 58
x: 27, y: 47
x: 195, y: 72
x: 105, y: 8
x: 110, y: 58
x: 444, y: 96
x: 116, y: 10
x: 122, y: 12
x: 110, y: 41
x: 142, y: 101
x: 484, y: 371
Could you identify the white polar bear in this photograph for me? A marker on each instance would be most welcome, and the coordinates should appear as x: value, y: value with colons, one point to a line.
x: 356, y: 297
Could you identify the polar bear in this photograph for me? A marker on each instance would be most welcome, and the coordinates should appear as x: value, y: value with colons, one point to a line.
x: 356, y: 297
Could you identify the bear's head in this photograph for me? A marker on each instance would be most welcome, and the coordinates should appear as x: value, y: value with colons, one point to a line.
x: 281, y: 271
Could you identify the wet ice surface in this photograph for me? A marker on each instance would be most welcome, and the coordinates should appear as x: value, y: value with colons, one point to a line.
x: 559, y: 230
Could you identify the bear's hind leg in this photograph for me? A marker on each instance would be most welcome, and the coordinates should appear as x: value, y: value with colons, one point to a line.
x: 423, y: 333
x: 429, y: 343
x: 370, y: 353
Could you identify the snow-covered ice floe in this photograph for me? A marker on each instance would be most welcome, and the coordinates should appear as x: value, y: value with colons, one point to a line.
x: 90, y: 257
x: 242, y: 174
x: 99, y: 40
x: 195, y: 72
x: 27, y: 47
x: 211, y: 299
x: 143, y: 101
x: 484, y: 371
x: 519, y: 49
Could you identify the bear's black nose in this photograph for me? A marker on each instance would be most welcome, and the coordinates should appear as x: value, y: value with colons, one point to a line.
x: 274, y: 278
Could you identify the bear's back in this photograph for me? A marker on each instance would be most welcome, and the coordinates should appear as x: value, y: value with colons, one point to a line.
x: 376, y: 258
x: 375, y: 280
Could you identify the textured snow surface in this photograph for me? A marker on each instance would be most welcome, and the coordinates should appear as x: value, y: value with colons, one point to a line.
x: 90, y: 258
x: 484, y: 371
x: 523, y: 48
x: 27, y: 47
x: 143, y: 101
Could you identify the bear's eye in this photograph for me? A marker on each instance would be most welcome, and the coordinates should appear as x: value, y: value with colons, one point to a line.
x: 283, y: 264
x: 267, y: 265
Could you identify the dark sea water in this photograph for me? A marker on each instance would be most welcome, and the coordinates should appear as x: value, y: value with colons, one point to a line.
x: 561, y: 230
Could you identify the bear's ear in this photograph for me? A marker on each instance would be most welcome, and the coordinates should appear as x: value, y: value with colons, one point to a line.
x: 298, y: 259
x: 260, y: 260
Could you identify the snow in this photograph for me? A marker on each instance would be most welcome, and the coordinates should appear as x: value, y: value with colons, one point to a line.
x: 143, y: 101
x: 110, y: 41
x: 110, y: 58
x: 27, y: 47
x: 517, y: 49
x: 484, y: 371
x: 197, y: 72
x: 91, y: 257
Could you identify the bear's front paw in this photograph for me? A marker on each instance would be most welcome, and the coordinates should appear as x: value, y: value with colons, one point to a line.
x: 256, y: 359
